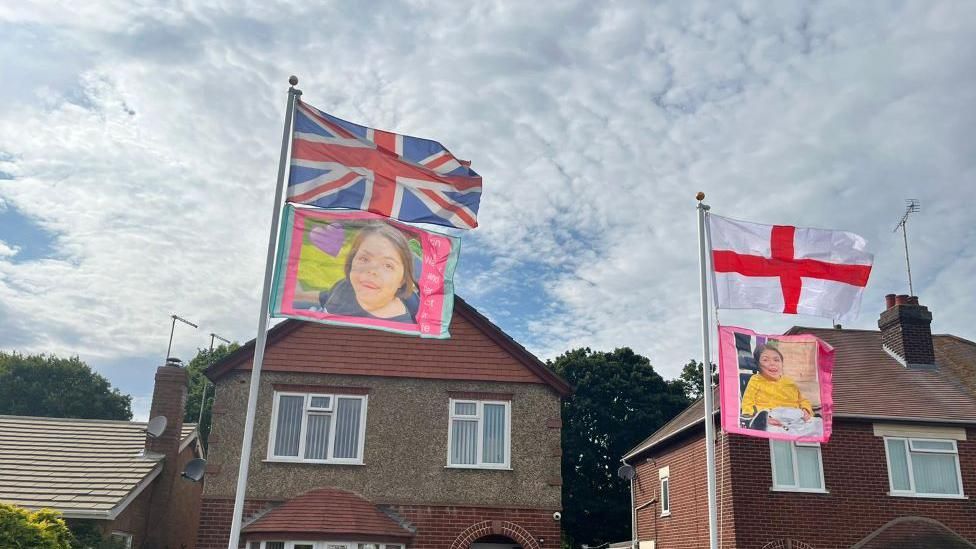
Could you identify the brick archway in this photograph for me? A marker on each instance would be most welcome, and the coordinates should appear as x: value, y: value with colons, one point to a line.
x: 495, y: 527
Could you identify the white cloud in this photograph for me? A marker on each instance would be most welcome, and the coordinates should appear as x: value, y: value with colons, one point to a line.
x: 146, y: 139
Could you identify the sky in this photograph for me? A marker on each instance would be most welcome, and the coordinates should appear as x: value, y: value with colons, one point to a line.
x: 139, y: 144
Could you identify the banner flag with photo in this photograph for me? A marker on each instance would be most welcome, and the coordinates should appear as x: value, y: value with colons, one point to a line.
x: 353, y: 268
x: 775, y: 386
x: 786, y: 269
x: 338, y: 164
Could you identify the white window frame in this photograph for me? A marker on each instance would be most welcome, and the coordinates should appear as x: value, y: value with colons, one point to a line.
x: 796, y: 470
x: 480, y: 417
x: 911, y: 473
x: 303, y: 431
x: 665, y: 489
x: 324, y: 544
x: 124, y: 537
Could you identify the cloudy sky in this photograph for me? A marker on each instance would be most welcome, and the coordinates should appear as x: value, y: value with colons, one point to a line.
x: 139, y: 145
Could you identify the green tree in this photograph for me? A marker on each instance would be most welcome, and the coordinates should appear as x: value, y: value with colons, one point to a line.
x: 48, y: 386
x: 690, y: 381
x: 44, y: 529
x: 199, y: 382
x: 618, y: 401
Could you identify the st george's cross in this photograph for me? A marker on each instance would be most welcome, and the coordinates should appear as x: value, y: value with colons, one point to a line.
x: 338, y: 164
x: 786, y: 269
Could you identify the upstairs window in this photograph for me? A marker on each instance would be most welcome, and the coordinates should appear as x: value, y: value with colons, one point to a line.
x: 797, y: 466
x: 923, y: 467
x: 318, y: 428
x: 480, y: 434
x: 665, y: 475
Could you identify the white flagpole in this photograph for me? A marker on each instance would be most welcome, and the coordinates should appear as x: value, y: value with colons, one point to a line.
x: 261, y: 339
x: 707, y: 377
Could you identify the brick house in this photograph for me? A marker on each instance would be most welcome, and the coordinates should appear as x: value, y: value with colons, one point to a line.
x: 109, y: 473
x: 371, y: 440
x: 899, y: 470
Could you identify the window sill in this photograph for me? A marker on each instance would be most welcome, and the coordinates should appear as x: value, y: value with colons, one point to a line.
x: 667, y: 514
x: 312, y: 462
x: 927, y: 496
x: 800, y: 490
x: 479, y: 467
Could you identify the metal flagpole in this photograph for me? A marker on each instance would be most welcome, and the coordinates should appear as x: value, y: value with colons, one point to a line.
x: 707, y: 376
x: 261, y: 339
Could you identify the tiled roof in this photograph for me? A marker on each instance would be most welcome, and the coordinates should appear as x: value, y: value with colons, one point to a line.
x: 912, y: 532
x: 81, y: 467
x: 330, y: 512
x: 868, y: 382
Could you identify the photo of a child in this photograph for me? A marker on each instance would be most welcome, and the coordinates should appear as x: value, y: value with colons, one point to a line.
x: 379, y: 278
x: 773, y: 401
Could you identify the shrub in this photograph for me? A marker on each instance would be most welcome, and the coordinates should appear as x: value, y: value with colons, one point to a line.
x: 23, y: 529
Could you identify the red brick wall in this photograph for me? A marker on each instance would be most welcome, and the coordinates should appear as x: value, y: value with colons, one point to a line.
x: 856, y: 475
x: 437, y: 527
x: 687, y: 526
x: 751, y: 515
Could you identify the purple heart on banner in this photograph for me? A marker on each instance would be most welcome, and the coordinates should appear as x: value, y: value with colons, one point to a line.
x: 329, y: 239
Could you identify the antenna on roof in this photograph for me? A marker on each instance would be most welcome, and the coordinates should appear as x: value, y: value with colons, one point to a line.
x: 172, y: 329
x: 206, y: 385
x: 912, y: 205
x: 156, y: 426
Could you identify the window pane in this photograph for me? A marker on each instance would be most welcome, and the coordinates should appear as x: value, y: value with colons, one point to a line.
x: 665, y: 495
x: 317, y: 436
x: 464, y: 442
x: 304, y: 546
x: 347, y: 427
x: 783, y: 464
x: 898, y: 465
x: 493, y: 450
x: 274, y: 545
x: 935, y: 473
x: 941, y: 445
x: 320, y: 402
x: 336, y: 546
x: 255, y: 545
x: 808, y: 467
x: 465, y: 408
x: 289, y: 427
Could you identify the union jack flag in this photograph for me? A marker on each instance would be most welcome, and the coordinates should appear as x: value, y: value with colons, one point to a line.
x: 338, y: 164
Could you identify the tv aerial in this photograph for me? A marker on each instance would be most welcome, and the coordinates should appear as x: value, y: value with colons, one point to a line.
x: 912, y: 205
x: 172, y: 329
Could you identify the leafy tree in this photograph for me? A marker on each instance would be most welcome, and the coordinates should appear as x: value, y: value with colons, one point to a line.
x: 690, y: 381
x: 618, y: 401
x: 48, y: 386
x: 44, y: 529
x: 198, y: 382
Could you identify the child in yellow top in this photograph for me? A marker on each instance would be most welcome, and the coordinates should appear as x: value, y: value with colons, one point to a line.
x: 769, y: 389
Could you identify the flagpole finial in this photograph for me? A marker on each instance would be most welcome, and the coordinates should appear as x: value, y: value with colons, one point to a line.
x: 293, y: 80
x: 700, y: 196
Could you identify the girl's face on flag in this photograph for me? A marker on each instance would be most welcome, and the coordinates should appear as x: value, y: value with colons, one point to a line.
x: 771, y: 364
x: 376, y: 272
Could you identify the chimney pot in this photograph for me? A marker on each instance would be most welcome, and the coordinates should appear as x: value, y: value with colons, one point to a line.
x: 913, y: 300
x: 889, y: 301
x: 901, y: 299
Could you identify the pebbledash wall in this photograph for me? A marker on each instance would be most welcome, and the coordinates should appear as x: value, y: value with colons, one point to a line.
x: 751, y: 515
x: 405, y: 452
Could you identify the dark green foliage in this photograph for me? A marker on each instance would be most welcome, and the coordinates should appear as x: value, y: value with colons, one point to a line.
x: 48, y: 386
x: 23, y: 529
x: 619, y: 400
x: 690, y: 381
x: 198, y: 382
x: 88, y: 535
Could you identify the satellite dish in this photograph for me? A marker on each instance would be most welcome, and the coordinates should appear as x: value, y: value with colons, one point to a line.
x: 195, y: 469
x: 626, y: 472
x: 156, y: 426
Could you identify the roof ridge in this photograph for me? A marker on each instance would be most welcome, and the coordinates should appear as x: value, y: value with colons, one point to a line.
x: 74, y: 419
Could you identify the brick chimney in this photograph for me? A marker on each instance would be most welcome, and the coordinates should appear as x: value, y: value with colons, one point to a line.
x: 169, y: 399
x: 906, y: 331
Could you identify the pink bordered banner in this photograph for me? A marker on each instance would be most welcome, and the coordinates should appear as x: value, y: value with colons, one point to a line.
x: 775, y: 386
x: 354, y: 268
